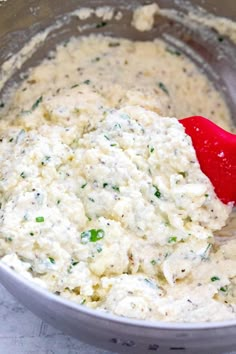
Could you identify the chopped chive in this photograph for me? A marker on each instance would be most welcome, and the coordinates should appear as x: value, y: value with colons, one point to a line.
x: 75, y: 85
x: 215, y: 278
x: 39, y: 219
x: 83, y: 302
x: 84, y: 185
x: 113, y: 145
x: 151, y: 149
x: 163, y: 87
x: 206, y: 195
x: 183, y: 173
x: 105, y: 136
x: 116, y: 188
x: 92, y: 235
x: 101, y: 24
x: 9, y: 239
x: 10, y: 140
x: 224, y: 289
x: 172, y: 239
x: 52, y: 260
x: 31, y: 234
x: 157, y: 192
x: 74, y: 263
x: 173, y: 51
x: 114, y: 44
x: 58, y: 201
x: 36, y: 103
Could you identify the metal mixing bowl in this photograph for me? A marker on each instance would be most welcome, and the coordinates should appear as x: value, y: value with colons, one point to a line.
x: 20, y: 21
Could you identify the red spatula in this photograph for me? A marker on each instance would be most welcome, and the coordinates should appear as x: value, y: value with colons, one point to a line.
x: 216, y: 153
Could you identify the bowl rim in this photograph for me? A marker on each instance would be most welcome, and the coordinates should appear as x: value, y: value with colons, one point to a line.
x: 100, y: 315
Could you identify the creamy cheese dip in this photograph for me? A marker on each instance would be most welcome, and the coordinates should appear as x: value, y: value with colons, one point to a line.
x: 102, y: 198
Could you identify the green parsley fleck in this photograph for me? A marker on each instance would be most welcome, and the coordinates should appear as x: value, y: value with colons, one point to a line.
x: 2, y: 104
x: 101, y: 24
x: 151, y: 149
x: 52, y: 260
x: 206, y: 195
x: 91, y: 200
x: 105, y: 185
x: 224, y: 289
x: 31, y: 234
x: 157, y: 192
x: 215, y: 278
x: 87, y: 82
x: 116, y: 188
x: 92, y: 235
x: 220, y: 39
x: 153, y: 262
x: 99, y: 248
x: 75, y: 85
x: 36, y: 103
x: 173, y: 51
x: 114, y: 44
x: 112, y: 144
x: 74, y: 263
x: 39, y: 219
x: 163, y: 87
x: 10, y: 140
x: 22, y: 175
x: 84, y: 185
x: 183, y: 173
x: 83, y: 302
x: 58, y: 201
x: 172, y: 239
x: 9, y: 239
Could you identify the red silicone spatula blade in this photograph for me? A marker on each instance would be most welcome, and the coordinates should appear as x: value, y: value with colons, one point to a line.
x: 216, y: 153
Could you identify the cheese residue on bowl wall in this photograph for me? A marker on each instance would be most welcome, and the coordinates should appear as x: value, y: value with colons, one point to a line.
x: 102, y: 198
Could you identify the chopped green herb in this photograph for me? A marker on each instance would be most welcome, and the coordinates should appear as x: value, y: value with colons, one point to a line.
x: 36, y: 103
x: 99, y: 248
x: 173, y: 51
x: 74, y: 263
x: 52, y: 260
x: 117, y: 125
x: 105, y: 185
x: 105, y: 136
x: 75, y: 85
x: 113, y: 145
x: 22, y: 175
x: 11, y: 140
x: 205, y: 253
x: 114, y: 44
x: 172, y: 239
x: 39, y: 219
x: 2, y: 104
x: 206, y: 195
x: 87, y: 82
x: 91, y: 199
x: 157, y: 192
x: 116, y: 188
x: 153, y: 262
x: 183, y: 173
x: 215, y: 278
x: 151, y: 149
x: 83, y: 302
x: 96, y: 59
x: 220, y: 39
x: 92, y: 235
x: 89, y: 218
x: 188, y: 219
x: 31, y: 234
x: 9, y: 239
x: 101, y: 24
x: 163, y: 87
x: 84, y: 185
x: 150, y: 283
x: 224, y: 289
x: 58, y: 201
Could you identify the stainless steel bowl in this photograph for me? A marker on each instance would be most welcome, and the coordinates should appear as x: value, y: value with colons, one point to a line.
x: 20, y: 21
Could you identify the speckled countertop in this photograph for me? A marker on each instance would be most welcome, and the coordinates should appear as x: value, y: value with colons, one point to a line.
x: 21, y: 332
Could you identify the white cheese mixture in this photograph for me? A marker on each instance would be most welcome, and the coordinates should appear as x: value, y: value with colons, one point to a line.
x: 102, y: 198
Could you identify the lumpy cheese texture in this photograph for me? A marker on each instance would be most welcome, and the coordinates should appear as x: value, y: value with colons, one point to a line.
x: 102, y: 198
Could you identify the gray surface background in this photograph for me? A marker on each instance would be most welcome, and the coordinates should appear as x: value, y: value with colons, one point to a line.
x: 21, y: 332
